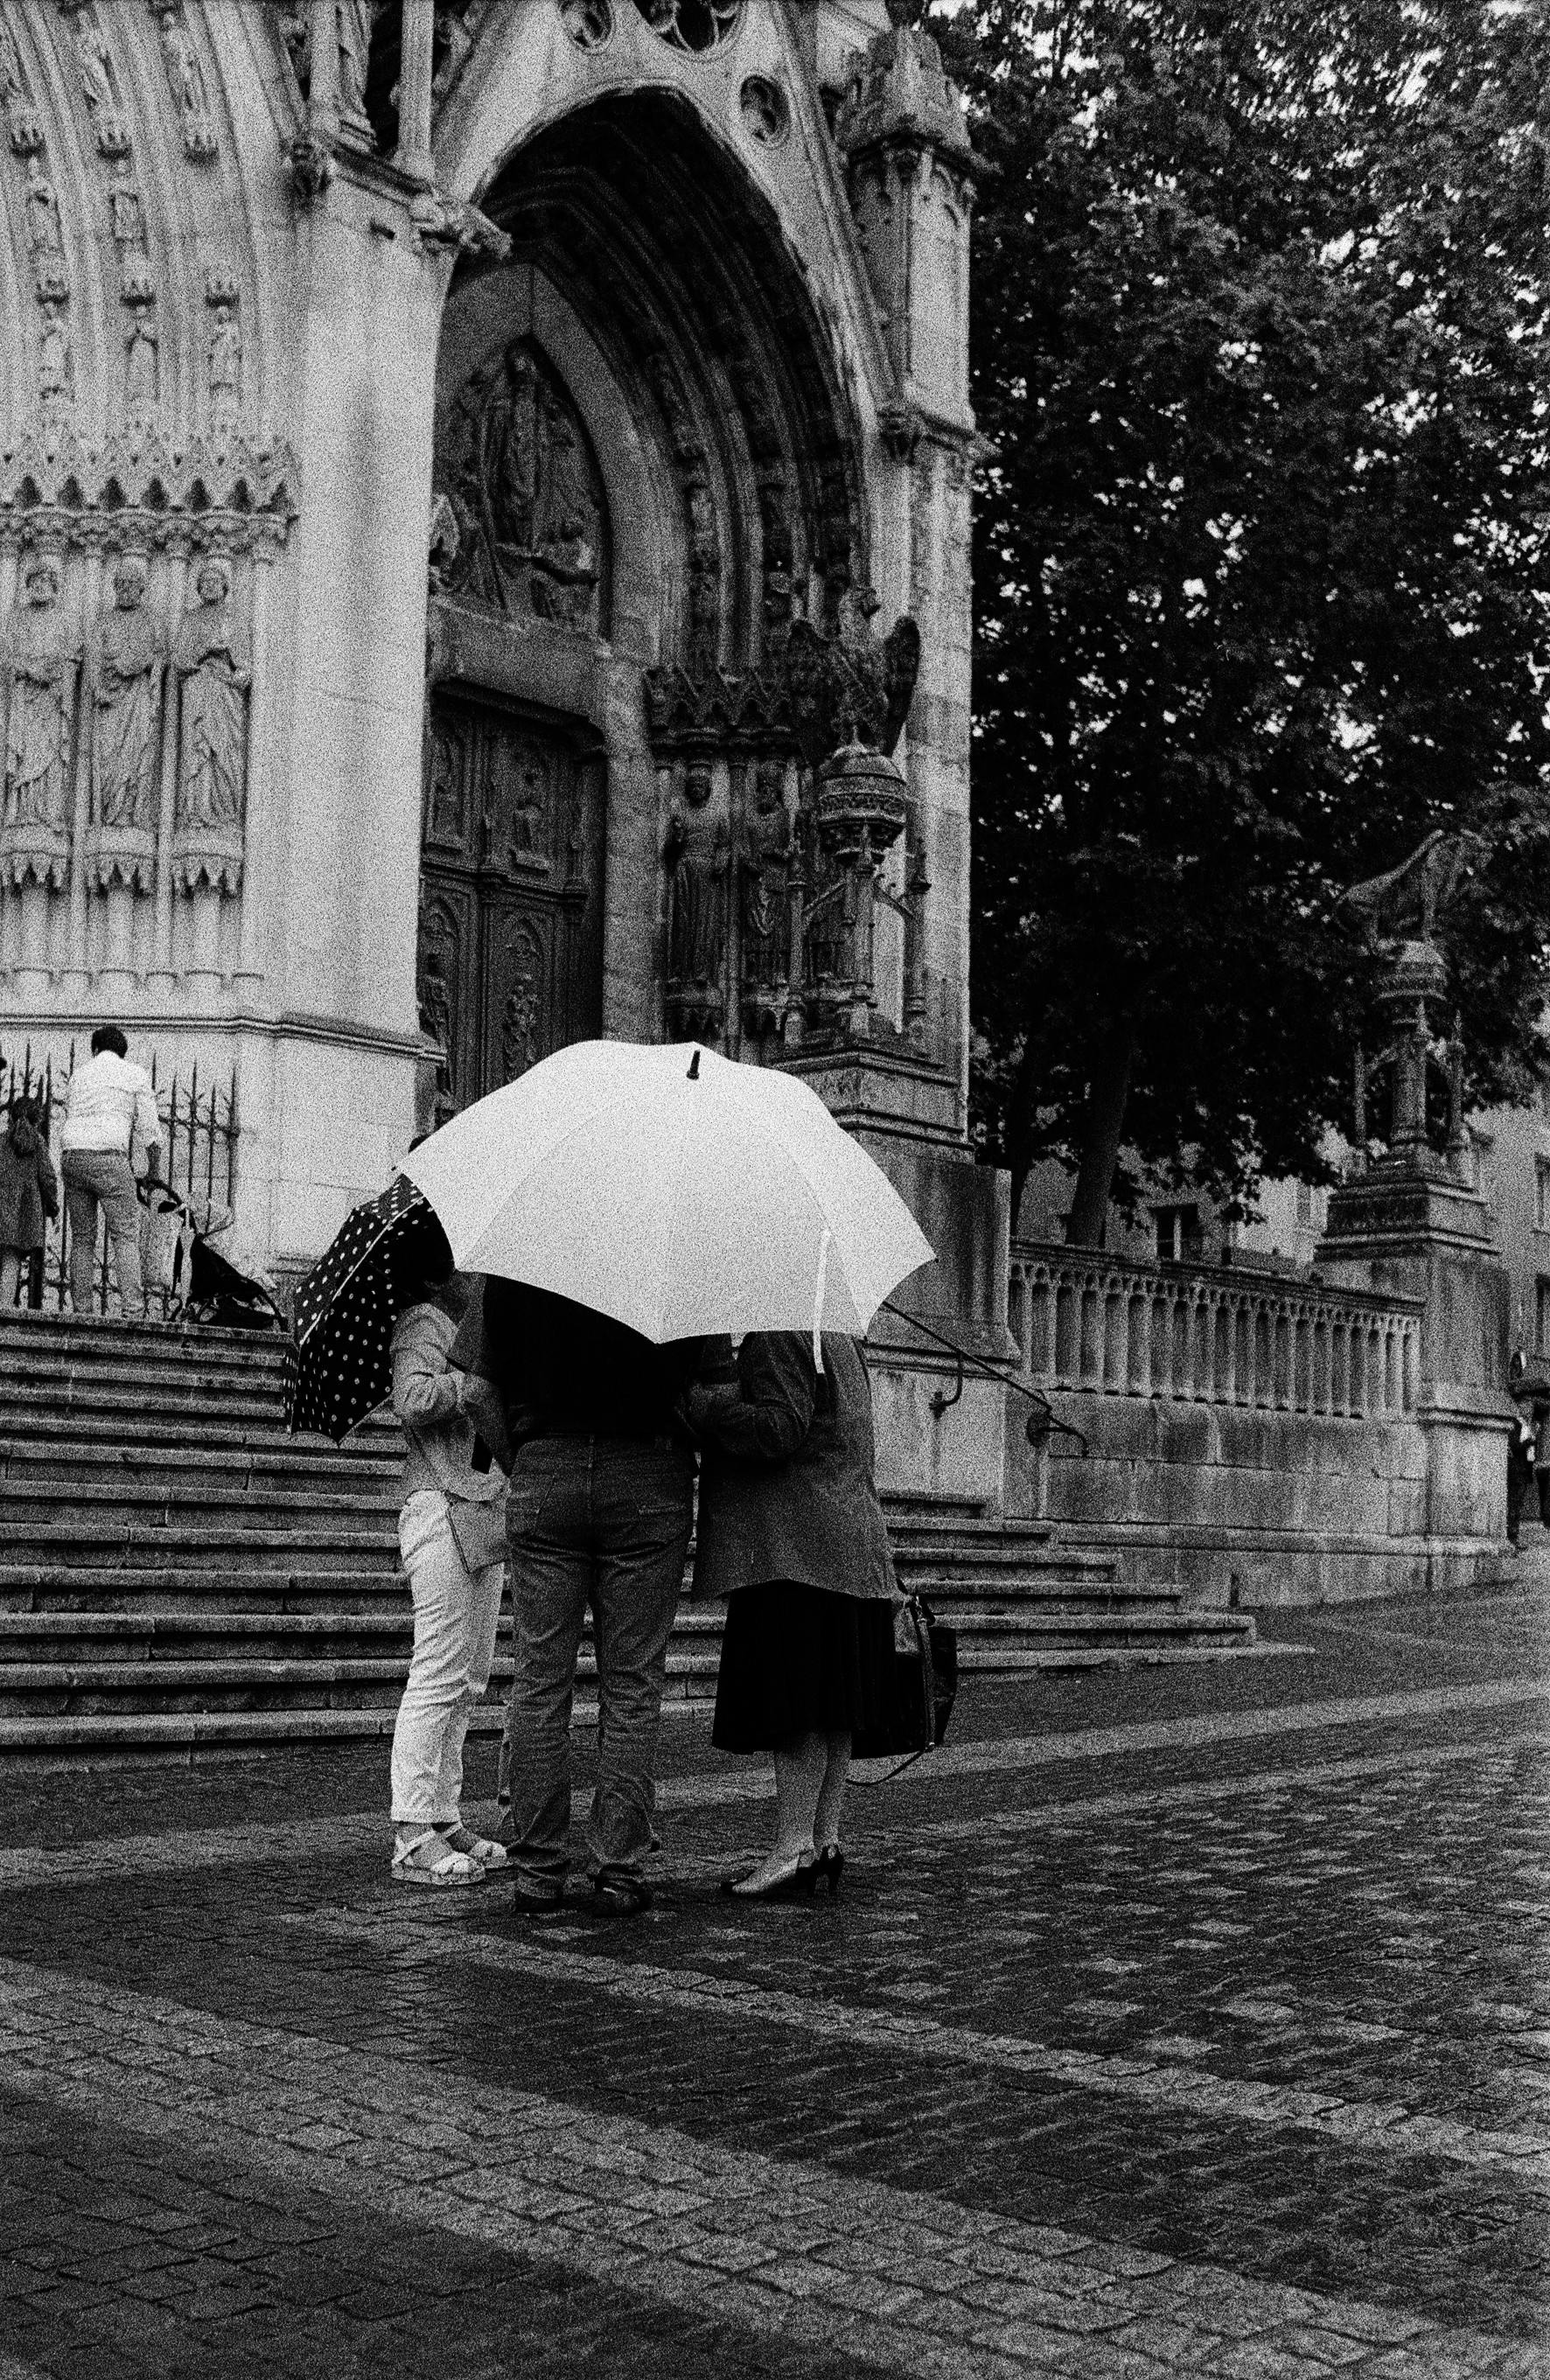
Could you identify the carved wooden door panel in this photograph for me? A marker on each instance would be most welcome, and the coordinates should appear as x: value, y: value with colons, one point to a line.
x: 510, y: 893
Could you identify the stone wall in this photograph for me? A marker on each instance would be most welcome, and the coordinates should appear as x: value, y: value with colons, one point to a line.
x: 1256, y: 1441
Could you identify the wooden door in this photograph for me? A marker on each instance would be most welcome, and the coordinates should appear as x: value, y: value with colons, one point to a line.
x: 510, y: 892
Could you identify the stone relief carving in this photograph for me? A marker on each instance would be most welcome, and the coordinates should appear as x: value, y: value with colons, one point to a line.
x: 100, y: 89
x: 141, y: 366
x: 352, y: 24
x: 45, y: 236
x: 522, y: 1011
x: 22, y: 123
x: 518, y: 474
x: 770, y: 880
x: 42, y: 671
x: 589, y: 23
x: 186, y: 81
x: 56, y: 364
x: 127, y: 668
x: 223, y: 360
x: 851, y: 687
x: 439, y: 994
x: 693, y: 25
x: 212, y: 669
x: 142, y: 493
x: 698, y: 853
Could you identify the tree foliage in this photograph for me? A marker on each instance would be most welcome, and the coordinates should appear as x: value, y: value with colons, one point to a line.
x: 1259, y: 336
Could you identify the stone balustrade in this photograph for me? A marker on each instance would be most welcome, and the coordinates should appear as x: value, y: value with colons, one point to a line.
x: 1085, y: 1321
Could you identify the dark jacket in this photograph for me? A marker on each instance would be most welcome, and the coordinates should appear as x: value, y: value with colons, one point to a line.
x: 29, y: 1185
x: 786, y: 1490
x: 561, y: 1370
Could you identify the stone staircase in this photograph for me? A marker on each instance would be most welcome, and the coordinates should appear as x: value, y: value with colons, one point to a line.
x: 176, y: 1572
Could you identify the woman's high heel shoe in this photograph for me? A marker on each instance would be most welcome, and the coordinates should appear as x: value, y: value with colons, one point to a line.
x: 798, y: 1884
x: 829, y: 1864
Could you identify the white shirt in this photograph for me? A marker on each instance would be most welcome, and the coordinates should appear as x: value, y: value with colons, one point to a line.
x: 109, y: 1099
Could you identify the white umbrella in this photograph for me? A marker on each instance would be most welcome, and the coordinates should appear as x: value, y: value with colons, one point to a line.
x: 677, y: 1191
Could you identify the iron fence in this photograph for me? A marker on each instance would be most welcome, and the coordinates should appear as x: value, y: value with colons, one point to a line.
x: 198, y: 1161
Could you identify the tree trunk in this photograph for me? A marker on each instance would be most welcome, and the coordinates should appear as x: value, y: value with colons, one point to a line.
x: 1108, y: 1093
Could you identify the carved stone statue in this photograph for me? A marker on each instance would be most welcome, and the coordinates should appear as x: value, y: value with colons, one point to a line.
x: 224, y: 360
x: 186, y: 81
x: 352, y: 23
x: 100, y: 92
x: 1409, y: 899
x: 128, y: 217
x: 213, y: 667
x: 42, y: 215
x: 850, y: 688
x: 42, y: 666
x: 698, y: 853
x: 55, y: 366
x: 141, y: 364
x: 766, y: 869
x: 517, y: 472
x: 125, y: 687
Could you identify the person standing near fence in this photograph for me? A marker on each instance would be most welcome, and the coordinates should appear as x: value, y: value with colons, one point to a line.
x: 29, y: 1194
x: 109, y: 1102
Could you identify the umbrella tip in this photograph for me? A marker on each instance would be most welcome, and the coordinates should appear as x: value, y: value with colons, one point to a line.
x: 694, y: 1068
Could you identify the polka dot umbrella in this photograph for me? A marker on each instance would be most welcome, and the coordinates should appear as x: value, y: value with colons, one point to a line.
x: 344, y: 1312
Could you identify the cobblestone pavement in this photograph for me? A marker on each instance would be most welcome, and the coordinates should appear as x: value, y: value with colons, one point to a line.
x: 1185, y: 2021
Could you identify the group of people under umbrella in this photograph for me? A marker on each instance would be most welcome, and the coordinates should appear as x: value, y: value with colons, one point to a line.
x: 632, y: 1265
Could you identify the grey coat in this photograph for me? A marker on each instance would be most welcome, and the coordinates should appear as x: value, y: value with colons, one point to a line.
x: 786, y: 1490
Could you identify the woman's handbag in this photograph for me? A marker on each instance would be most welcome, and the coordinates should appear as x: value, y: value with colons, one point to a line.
x: 925, y: 1685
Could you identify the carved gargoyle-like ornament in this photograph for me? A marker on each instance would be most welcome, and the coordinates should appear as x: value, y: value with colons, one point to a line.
x: 1408, y: 900
x: 853, y: 688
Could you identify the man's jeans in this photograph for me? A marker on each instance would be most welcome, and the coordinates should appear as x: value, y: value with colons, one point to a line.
x: 604, y: 1522
x: 96, y: 1178
x: 456, y: 1612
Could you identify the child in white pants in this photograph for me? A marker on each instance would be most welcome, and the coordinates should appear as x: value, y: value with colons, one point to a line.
x: 451, y: 1535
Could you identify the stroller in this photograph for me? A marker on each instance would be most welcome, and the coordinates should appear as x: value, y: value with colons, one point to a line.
x: 201, y: 1284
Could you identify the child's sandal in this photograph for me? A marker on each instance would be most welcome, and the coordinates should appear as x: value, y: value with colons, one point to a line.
x: 427, y: 1860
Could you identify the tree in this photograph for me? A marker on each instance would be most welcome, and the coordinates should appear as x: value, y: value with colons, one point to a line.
x: 1259, y: 335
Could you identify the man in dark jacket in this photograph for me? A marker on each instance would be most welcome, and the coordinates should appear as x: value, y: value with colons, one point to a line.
x: 600, y: 1513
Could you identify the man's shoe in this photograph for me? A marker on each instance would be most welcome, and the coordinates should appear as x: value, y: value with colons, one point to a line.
x: 530, y: 1903
x: 621, y: 1893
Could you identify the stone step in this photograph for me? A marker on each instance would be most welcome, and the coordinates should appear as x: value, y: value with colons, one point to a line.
x: 32, y: 1479
x: 110, y: 1539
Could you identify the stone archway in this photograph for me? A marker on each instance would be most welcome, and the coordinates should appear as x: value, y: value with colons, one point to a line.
x: 644, y: 470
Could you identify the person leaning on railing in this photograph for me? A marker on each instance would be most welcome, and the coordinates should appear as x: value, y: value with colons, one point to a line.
x: 29, y: 1194
x: 109, y: 1103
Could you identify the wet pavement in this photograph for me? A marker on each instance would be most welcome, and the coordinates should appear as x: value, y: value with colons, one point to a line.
x: 1188, y: 2020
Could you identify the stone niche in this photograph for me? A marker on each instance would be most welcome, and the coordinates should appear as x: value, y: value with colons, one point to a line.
x: 128, y: 683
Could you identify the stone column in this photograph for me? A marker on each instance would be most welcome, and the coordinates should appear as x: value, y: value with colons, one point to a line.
x: 161, y: 971
x: 414, y: 158
x: 260, y: 828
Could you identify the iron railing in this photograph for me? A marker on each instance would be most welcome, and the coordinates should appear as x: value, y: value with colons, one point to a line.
x: 198, y: 1161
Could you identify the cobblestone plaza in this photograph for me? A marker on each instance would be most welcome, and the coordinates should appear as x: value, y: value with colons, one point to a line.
x: 1192, y: 2019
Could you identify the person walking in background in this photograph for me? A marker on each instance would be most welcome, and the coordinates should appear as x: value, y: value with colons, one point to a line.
x: 109, y: 1104
x: 791, y: 1531
x: 29, y: 1195
x: 452, y: 1537
x: 601, y: 1504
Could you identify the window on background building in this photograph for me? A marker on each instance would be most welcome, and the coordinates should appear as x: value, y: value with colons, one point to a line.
x: 1180, y: 1238
x: 1542, y: 1316
x: 1542, y: 1193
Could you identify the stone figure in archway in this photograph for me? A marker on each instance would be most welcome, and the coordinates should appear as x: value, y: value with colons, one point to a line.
x: 99, y: 90
x: 698, y: 852
x: 224, y: 360
x: 186, y: 81
x: 213, y: 666
x: 42, y: 665
x: 516, y: 472
x: 352, y: 22
x: 124, y: 699
x: 55, y: 369
x: 44, y: 233
x: 141, y: 364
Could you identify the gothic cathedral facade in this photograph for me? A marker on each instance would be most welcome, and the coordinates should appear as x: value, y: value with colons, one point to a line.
x: 484, y: 560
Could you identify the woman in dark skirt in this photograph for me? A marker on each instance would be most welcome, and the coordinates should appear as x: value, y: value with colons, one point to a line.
x: 791, y: 1531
